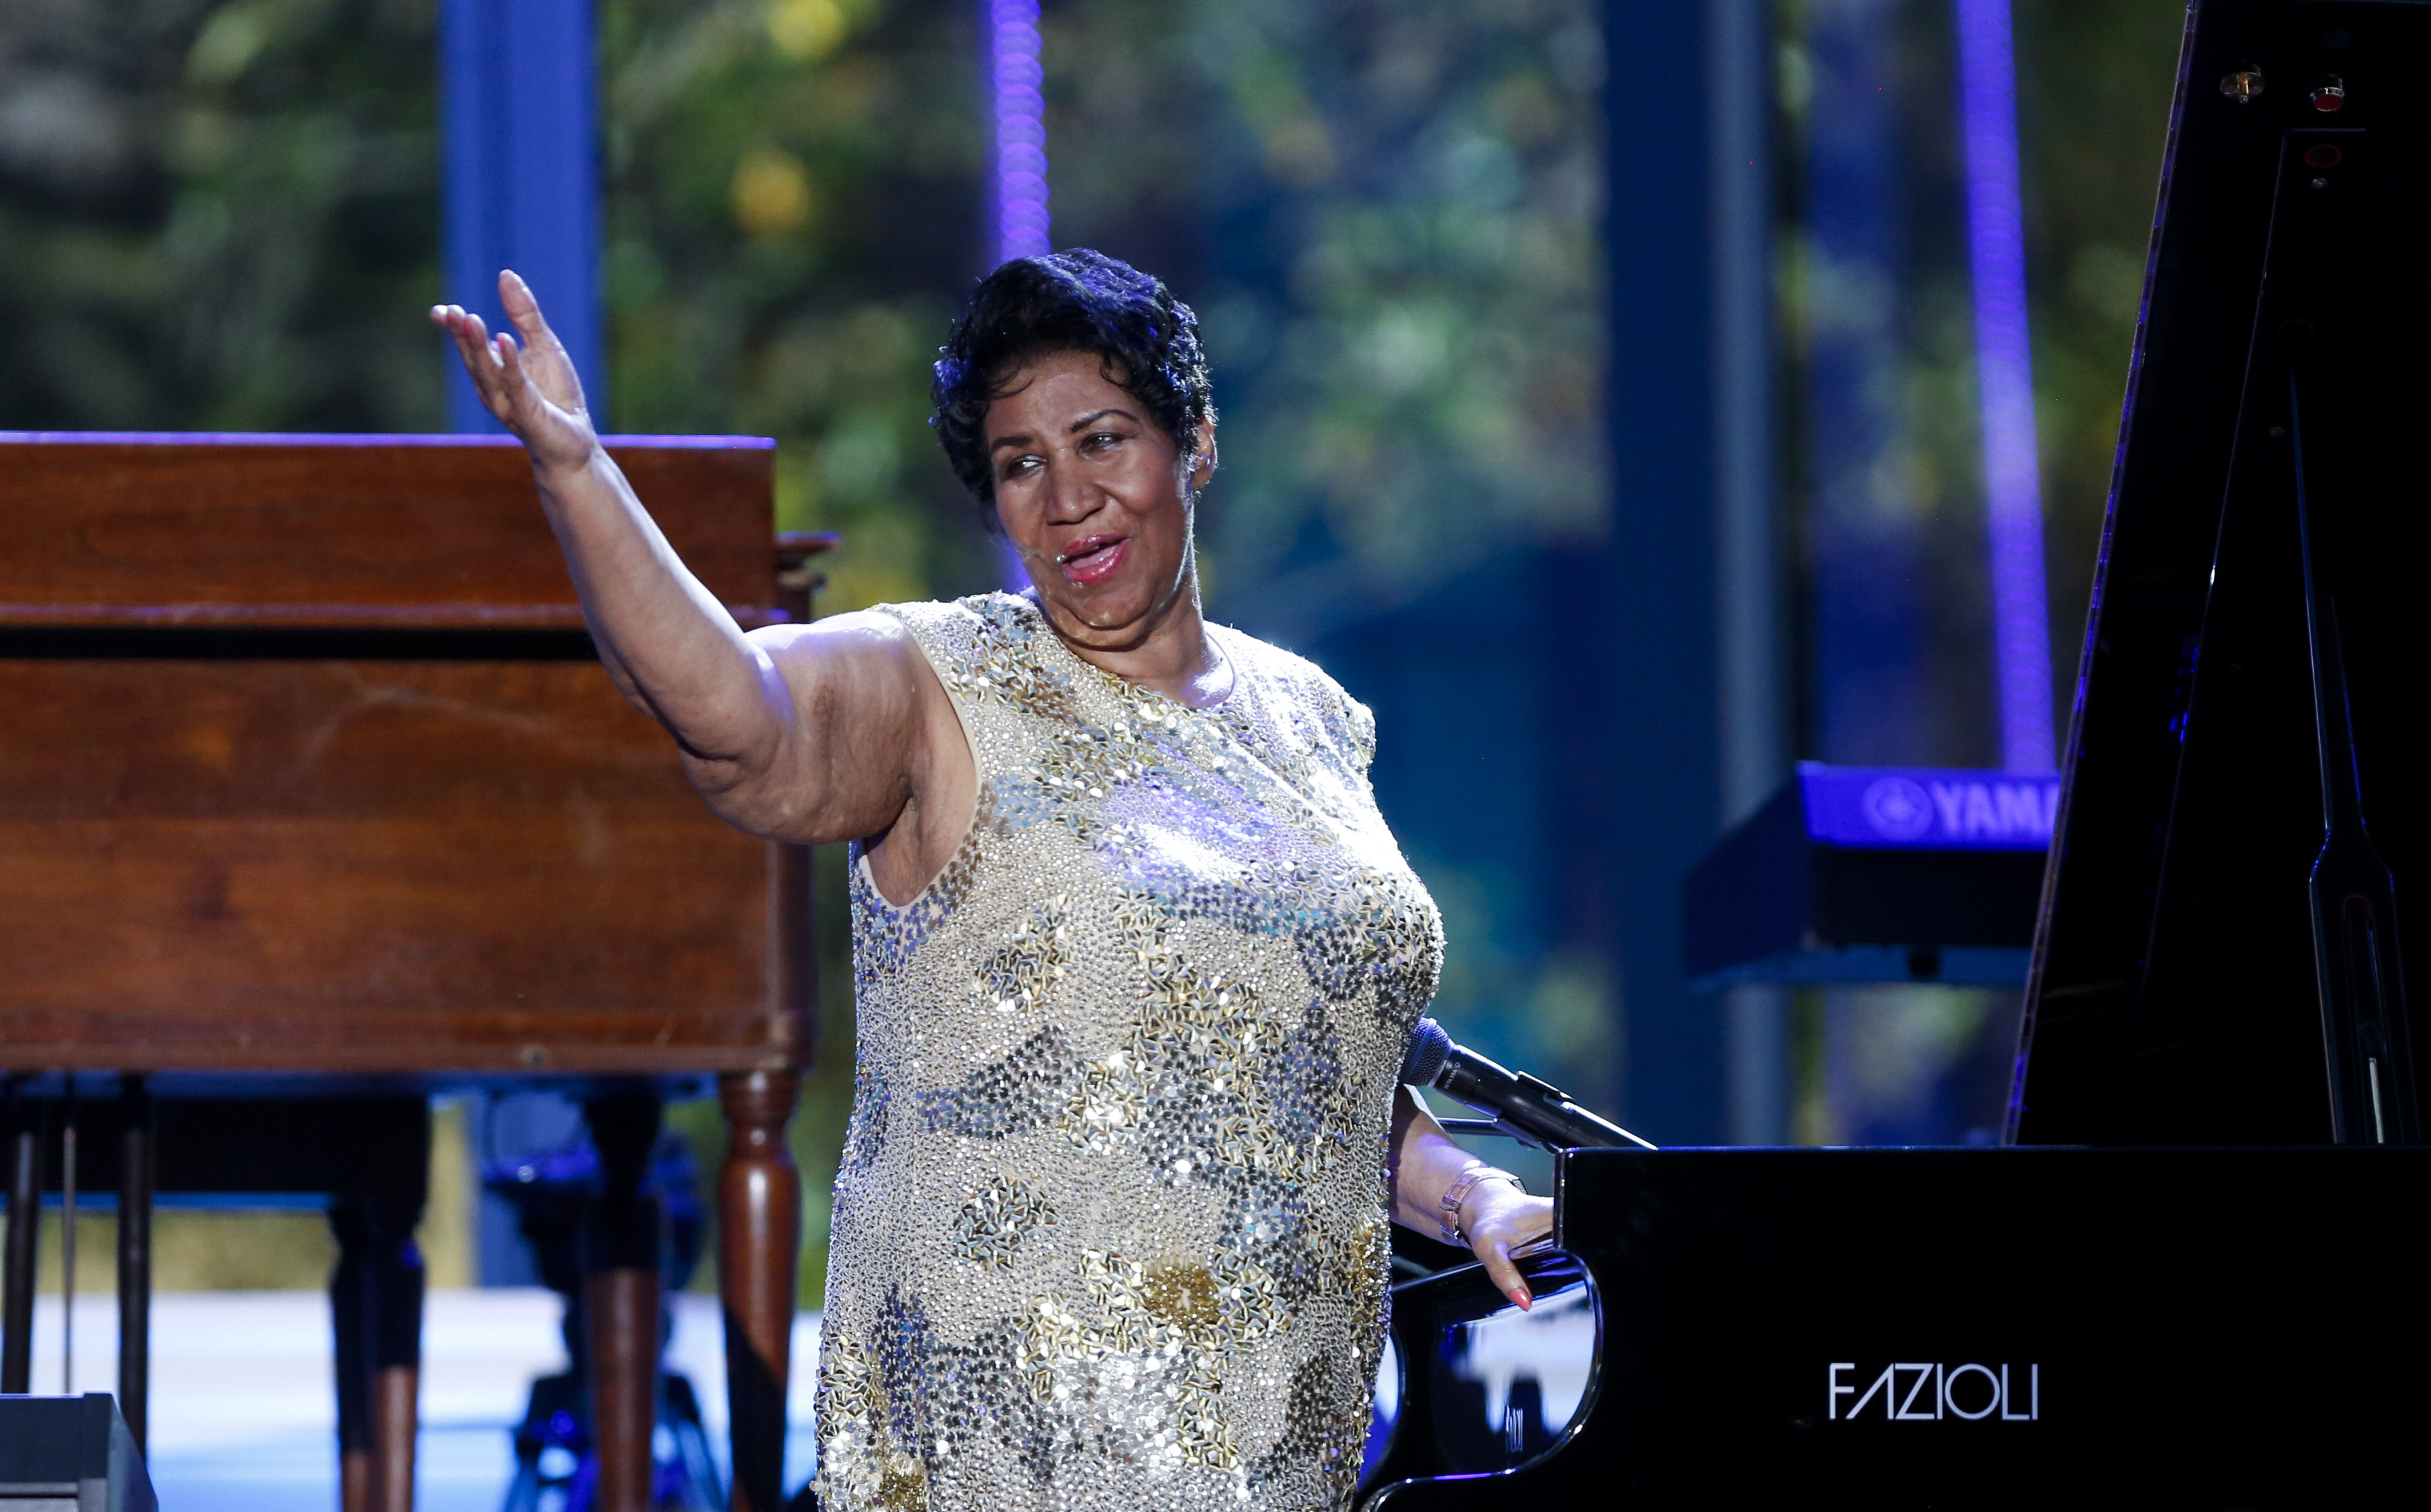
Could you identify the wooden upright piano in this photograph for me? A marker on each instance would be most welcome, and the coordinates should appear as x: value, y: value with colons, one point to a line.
x: 315, y: 799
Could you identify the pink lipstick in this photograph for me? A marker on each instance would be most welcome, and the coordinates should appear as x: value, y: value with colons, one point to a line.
x: 1092, y: 558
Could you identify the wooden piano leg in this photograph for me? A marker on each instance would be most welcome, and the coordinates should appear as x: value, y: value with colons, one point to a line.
x: 620, y: 1293
x: 24, y: 1156
x: 346, y: 1293
x: 135, y: 1173
x: 759, y: 1251
x: 396, y: 1379
x: 375, y: 1304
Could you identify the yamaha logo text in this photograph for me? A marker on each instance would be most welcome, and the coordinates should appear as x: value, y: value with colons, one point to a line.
x: 1935, y: 1392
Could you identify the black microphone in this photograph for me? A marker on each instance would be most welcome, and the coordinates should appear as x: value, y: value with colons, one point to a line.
x: 1521, y: 1107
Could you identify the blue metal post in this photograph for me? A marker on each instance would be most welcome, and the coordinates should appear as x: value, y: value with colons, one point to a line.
x: 1751, y: 583
x: 1647, y: 761
x: 518, y: 106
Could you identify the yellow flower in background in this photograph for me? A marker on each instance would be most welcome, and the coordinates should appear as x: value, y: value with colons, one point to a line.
x: 807, y: 29
x: 771, y: 192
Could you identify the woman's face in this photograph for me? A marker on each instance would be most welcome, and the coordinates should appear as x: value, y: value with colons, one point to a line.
x: 1095, y: 497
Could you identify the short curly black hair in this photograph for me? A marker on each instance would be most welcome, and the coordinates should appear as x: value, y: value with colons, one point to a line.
x: 1077, y: 300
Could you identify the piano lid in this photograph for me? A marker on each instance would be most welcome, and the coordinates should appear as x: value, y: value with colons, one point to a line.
x: 2218, y: 958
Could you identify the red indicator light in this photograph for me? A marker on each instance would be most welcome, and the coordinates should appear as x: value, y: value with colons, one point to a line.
x: 2324, y: 156
x: 2330, y: 96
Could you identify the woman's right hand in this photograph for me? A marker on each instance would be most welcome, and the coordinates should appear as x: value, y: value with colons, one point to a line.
x: 530, y: 386
x: 802, y: 732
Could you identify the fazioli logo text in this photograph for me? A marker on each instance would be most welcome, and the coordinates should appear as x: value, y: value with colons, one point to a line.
x: 1933, y: 1393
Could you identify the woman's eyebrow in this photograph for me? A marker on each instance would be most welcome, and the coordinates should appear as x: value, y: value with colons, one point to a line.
x: 1025, y: 439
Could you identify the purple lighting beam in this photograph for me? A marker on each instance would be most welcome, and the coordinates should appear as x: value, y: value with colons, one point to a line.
x: 1021, y: 223
x: 1987, y: 106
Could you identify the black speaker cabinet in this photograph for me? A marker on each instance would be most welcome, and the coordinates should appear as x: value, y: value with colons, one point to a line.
x: 70, y: 1455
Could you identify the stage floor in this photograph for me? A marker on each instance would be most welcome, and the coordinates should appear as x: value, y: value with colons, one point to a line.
x: 244, y: 1416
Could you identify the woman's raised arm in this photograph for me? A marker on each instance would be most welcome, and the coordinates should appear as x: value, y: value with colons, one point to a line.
x: 797, y: 733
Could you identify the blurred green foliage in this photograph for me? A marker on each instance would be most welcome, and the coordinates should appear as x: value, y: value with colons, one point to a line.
x: 792, y: 214
x: 1906, y: 288
x: 2094, y: 81
x: 1386, y: 216
x: 218, y: 216
x: 1414, y: 320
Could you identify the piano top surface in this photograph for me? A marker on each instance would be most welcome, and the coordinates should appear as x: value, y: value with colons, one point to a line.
x: 402, y: 531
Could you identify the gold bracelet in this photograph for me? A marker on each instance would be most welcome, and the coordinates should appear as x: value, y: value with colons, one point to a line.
x: 1457, y: 1194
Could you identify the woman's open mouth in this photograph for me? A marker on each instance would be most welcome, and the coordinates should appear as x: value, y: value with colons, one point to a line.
x: 1092, y: 558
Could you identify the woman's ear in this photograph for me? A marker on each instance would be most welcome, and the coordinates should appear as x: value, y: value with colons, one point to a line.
x: 1203, y: 455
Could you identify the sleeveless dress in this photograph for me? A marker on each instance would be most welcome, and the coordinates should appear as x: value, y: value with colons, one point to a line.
x: 1110, y: 1228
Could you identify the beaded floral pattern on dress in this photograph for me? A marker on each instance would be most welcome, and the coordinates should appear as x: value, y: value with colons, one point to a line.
x: 1110, y: 1229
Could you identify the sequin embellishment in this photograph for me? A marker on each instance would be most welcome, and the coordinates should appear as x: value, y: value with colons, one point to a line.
x: 1109, y: 1231
x: 1020, y: 974
x: 989, y: 1227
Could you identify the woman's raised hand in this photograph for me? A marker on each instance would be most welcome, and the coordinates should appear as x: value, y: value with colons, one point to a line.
x: 530, y: 386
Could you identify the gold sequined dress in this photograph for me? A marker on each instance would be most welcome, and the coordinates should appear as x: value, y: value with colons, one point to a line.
x: 1110, y: 1230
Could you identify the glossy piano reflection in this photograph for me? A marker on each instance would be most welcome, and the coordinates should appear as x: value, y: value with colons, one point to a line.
x: 1497, y: 1386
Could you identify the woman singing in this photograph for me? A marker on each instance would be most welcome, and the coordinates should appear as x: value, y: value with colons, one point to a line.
x: 1135, y: 959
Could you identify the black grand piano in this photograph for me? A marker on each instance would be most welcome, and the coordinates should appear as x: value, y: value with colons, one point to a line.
x: 2189, y: 1281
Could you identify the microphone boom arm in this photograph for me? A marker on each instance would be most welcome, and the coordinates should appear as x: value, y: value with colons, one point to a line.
x: 1521, y: 1107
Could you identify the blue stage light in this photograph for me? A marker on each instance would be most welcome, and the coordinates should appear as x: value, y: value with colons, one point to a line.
x: 1020, y: 114
x: 1987, y: 102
